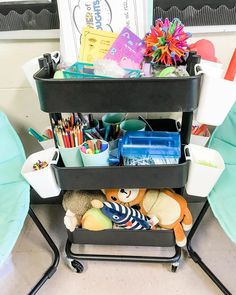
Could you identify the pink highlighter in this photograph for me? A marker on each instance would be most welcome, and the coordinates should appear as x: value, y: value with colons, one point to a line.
x: 231, y: 71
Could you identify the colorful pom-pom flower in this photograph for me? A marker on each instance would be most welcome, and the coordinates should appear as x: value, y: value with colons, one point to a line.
x: 167, y: 42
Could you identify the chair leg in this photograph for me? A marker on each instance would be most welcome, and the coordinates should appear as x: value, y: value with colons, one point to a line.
x: 52, y: 269
x: 196, y: 258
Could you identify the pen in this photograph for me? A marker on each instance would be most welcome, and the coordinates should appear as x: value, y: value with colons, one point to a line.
x: 91, y: 121
x: 82, y: 118
x: 36, y: 134
x: 107, y: 131
x: 56, y: 117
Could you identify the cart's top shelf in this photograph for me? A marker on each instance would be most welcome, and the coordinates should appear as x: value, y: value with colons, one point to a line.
x: 117, y: 95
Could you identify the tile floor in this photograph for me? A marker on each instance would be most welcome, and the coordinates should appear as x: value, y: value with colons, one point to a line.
x: 31, y: 257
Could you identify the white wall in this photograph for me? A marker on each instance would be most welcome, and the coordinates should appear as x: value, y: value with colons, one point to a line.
x: 19, y: 101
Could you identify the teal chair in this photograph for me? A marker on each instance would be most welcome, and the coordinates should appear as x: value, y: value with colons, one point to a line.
x: 15, y: 198
x: 222, y: 198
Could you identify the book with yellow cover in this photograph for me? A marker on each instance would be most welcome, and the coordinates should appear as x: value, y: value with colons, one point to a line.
x: 95, y: 44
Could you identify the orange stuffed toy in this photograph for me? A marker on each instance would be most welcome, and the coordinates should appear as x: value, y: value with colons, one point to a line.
x: 171, y: 210
x: 127, y: 197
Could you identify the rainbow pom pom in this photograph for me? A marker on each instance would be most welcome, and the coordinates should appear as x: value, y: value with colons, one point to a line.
x: 167, y: 42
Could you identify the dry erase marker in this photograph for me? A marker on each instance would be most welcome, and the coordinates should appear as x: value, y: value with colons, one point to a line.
x: 104, y: 147
x: 50, y: 64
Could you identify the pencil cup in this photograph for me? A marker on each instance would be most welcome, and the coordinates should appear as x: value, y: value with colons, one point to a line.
x: 206, y: 166
x: 216, y: 99
x: 100, y: 159
x: 43, y: 181
x: 112, y: 119
x: 71, y: 157
x: 132, y: 125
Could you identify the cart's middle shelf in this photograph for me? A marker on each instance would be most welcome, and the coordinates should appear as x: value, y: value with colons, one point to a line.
x: 159, y: 176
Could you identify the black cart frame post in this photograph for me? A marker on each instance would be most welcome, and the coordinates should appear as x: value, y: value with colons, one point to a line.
x: 52, y: 269
x: 194, y: 255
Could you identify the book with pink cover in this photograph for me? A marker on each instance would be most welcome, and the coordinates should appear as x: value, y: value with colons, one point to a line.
x: 127, y: 50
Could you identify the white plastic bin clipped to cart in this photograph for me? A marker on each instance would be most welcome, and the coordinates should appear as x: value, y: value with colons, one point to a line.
x: 43, y: 181
x: 46, y: 144
x: 216, y: 99
x: 205, y: 169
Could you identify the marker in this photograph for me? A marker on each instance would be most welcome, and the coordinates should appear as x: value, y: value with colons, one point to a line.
x: 231, y: 71
x: 91, y: 121
x: 48, y: 58
x: 36, y: 134
x: 89, y: 152
x: 83, y: 149
x: 90, y: 144
x: 98, y: 145
x: 104, y: 147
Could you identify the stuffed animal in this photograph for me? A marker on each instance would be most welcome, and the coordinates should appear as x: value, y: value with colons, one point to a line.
x: 123, y: 216
x: 126, y: 196
x: 76, y: 204
x: 171, y: 210
x: 95, y: 220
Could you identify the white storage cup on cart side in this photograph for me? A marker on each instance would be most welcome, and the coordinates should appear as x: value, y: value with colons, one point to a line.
x: 216, y: 99
x: 199, y: 139
x: 43, y: 181
x: 206, y: 166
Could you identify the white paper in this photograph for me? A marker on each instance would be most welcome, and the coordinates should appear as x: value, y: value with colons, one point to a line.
x: 107, y: 15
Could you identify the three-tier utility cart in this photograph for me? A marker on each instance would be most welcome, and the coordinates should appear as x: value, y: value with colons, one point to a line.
x: 133, y: 96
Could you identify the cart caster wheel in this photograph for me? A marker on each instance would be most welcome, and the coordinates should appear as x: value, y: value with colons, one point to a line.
x: 78, y: 267
x: 174, y: 267
x: 75, y: 265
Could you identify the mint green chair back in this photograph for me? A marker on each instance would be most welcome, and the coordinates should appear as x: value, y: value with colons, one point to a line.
x: 222, y: 198
x: 14, y: 190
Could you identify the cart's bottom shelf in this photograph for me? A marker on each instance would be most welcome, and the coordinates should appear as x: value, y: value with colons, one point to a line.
x: 157, y: 238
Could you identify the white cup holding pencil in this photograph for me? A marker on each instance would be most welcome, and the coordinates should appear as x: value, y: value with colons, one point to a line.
x: 95, y: 153
x: 68, y: 144
x: 71, y: 157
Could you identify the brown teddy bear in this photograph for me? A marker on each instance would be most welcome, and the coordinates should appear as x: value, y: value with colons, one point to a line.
x: 127, y: 197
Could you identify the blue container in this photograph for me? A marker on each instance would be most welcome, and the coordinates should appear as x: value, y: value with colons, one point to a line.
x: 82, y: 70
x: 150, y: 148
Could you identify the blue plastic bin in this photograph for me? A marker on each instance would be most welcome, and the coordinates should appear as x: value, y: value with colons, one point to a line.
x: 150, y: 148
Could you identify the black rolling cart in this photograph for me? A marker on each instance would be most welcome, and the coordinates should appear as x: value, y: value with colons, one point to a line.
x: 123, y: 95
x: 127, y: 95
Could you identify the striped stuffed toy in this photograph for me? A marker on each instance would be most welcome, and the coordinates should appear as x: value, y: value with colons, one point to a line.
x: 123, y: 216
